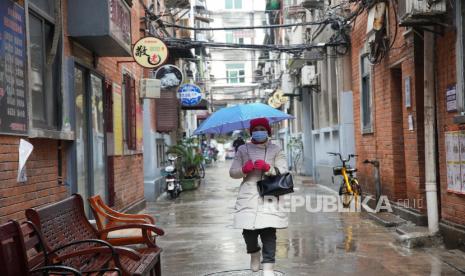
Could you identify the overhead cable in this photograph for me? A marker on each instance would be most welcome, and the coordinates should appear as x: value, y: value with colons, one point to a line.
x: 275, y: 26
x: 184, y: 43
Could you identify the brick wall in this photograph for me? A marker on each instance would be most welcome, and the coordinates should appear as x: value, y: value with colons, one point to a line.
x: 452, y: 205
x: 129, y: 180
x: 42, y: 186
x: 398, y: 149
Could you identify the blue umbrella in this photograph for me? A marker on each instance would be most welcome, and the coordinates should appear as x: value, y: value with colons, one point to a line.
x: 237, y: 117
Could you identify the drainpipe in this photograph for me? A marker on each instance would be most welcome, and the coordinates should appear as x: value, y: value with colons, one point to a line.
x: 430, y: 134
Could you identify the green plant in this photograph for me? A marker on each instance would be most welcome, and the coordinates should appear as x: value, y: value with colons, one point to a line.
x: 190, y: 159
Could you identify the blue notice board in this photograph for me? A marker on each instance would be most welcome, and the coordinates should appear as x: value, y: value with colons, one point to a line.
x: 13, y: 106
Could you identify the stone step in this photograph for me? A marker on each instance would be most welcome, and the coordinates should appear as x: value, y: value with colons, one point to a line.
x: 387, y: 219
x: 412, y: 236
x: 455, y: 258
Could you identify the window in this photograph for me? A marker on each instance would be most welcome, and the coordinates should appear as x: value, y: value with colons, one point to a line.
x: 161, y: 153
x: 45, y: 65
x: 233, y: 4
x: 129, y: 85
x: 365, y: 95
x: 235, y: 73
x: 229, y: 37
x: 232, y: 38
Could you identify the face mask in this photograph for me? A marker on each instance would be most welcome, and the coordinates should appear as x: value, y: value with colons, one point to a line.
x: 260, y: 136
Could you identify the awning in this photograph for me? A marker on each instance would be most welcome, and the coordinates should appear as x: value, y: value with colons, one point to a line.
x: 203, y: 105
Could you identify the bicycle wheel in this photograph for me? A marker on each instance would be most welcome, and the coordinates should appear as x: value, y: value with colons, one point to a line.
x: 201, y: 171
x: 346, y: 196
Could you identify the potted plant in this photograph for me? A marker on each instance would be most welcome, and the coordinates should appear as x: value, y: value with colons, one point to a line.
x: 189, y: 164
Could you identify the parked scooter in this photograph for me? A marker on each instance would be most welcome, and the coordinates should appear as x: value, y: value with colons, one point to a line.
x: 173, y: 185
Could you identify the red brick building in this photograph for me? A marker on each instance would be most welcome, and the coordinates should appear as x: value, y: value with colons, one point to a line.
x: 382, y: 117
x: 389, y: 116
x: 83, y: 106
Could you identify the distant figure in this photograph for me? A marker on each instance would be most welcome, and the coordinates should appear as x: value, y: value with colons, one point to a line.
x: 238, y: 142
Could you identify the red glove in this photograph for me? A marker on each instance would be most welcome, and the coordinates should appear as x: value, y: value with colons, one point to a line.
x: 248, y: 167
x: 261, y: 165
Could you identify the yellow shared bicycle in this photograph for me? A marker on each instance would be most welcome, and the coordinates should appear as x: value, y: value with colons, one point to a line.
x: 349, y: 189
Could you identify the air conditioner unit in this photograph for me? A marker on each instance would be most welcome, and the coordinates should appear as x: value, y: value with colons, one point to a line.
x: 309, y: 75
x: 420, y: 11
x: 150, y: 88
x: 313, y: 4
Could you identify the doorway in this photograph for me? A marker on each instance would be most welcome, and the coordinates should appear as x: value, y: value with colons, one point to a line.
x: 398, y: 101
x: 90, y: 134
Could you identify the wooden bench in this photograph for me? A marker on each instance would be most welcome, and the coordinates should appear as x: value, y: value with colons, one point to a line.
x: 65, y: 223
x: 22, y: 253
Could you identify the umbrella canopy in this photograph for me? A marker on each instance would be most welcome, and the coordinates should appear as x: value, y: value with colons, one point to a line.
x: 239, y: 116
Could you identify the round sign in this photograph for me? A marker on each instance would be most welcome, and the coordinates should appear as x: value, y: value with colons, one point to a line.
x: 170, y: 76
x: 190, y: 94
x: 150, y: 52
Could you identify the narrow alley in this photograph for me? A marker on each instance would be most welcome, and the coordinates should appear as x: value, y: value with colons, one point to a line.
x: 200, y: 240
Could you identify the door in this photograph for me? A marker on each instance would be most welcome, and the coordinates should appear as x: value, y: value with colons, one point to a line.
x: 90, y: 134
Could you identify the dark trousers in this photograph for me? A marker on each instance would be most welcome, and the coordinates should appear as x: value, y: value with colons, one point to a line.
x: 268, y: 237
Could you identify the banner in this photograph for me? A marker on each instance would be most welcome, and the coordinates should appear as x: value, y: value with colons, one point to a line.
x: 13, y: 106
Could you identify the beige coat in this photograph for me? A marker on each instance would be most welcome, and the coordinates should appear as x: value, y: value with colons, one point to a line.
x: 251, y: 210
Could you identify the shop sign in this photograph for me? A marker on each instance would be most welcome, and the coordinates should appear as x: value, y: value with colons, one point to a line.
x: 190, y: 94
x: 278, y: 99
x: 13, y: 106
x: 150, y: 52
x: 170, y: 76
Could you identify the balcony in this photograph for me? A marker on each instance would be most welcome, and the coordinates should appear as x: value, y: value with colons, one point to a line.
x: 104, y: 27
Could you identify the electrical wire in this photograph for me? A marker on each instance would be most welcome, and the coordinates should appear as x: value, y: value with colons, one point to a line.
x: 273, y: 26
x: 187, y: 44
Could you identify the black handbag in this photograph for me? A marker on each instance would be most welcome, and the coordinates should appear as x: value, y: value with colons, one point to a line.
x: 275, y: 185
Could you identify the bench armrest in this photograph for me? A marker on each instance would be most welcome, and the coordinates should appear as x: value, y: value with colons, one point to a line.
x: 55, y: 268
x: 146, y: 227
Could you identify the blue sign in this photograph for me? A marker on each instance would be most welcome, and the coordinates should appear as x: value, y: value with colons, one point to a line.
x: 190, y: 94
x: 13, y: 106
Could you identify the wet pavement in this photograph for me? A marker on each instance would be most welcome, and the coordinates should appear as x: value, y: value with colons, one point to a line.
x: 200, y: 240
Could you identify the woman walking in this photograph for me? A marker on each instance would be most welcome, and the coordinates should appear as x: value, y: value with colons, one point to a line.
x: 258, y: 216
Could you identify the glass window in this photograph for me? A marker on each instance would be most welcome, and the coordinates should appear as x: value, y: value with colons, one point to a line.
x: 233, y: 4
x: 229, y: 37
x: 235, y: 73
x: 365, y: 71
x: 46, y: 6
x: 45, y: 80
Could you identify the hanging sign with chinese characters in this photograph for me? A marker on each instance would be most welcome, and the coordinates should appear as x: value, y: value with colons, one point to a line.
x: 150, y: 52
x: 13, y: 107
x: 190, y: 94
